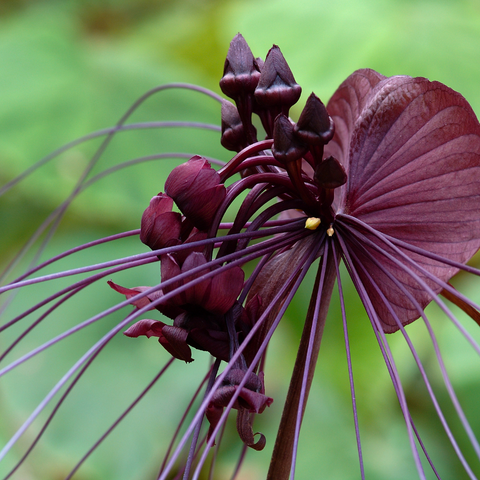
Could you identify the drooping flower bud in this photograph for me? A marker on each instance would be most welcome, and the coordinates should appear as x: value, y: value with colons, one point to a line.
x: 196, y: 189
x: 251, y: 399
x: 241, y: 72
x: 286, y: 146
x: 330, y: 174
x: 315, y: 126
x: 277, y: 86
x: 233, y: 133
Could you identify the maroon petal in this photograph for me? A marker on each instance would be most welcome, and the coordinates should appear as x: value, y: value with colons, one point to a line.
x: 195, y: 294
x: 233, y: 133
x: 212, y: 341
x: 315, y: 126
x: 183, y: 176
x: 257, y: 402
x: 163, y: 230
x: 169, y: 269
x: 195, y: 236
x: 277, y: 86
x: 213, y: 414
x: 174, y: 340
x: 224, y: 290
x: 149, y: 328
x: 202, y: 212
x: 153, y: 232
x: 245, y: 431
x: 287, y: 147
x: 197, y: 190
x: 241, y: 72
x: 251, y: 399
x: 345, y: 107
x: 131, y: 292
x: 414, y: 173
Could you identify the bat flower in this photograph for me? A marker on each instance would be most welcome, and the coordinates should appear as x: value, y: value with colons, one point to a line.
x: 384, y: 179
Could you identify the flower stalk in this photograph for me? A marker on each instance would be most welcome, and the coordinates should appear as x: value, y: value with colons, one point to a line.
x: 282, y: 464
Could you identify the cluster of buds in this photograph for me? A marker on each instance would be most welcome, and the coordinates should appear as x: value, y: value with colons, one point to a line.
x: 269, y: 90
x: 202, y: 295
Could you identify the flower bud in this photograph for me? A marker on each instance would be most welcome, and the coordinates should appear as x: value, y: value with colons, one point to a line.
x: 233, y: 133
x: 160, y: 227
x: 330, y: 174
x: 241, y: 72
x: 286, y: 146
x: 251, y: 399
x: 277, y: 86
x: 196, y: 189
x: 315, y: 126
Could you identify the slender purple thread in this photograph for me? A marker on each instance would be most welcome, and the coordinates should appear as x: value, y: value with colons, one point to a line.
x: 385, y: 349
x: 301, y: 402
x: 349, y: 363
x: 421, y: 368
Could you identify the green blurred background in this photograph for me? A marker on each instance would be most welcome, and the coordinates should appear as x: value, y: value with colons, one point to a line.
x: 71, y: 67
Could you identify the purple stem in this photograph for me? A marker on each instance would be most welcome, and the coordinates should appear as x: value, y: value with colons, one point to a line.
x: 231, y: 166
x: 39, y: 319
x: 423, y: 284
x: 298, y: 275
x: 419, y: 364
x: 291, y: 226
x: 255, y: 251
x: 100, y: 133
x: 82, y: 283
x: 182, y: 420
x: 196, y: 432
x: 98, y: 345
x: 75, y: 250
x: 241, y: 459
x: 57, y: 214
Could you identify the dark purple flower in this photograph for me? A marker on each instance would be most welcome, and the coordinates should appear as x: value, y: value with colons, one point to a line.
x: 241, y: 72
x: 276, y: 87
x: 385, y: 179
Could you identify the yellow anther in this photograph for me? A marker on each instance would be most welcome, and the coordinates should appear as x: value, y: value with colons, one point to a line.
x: 330, y: 231
x: 312, y: 223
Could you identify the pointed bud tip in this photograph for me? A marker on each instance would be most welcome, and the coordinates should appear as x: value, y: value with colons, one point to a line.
x: 286, y: 147
x: 277, y: 85
x: 241, y: 72
x: 315, y: 126
x: 330, y: 173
